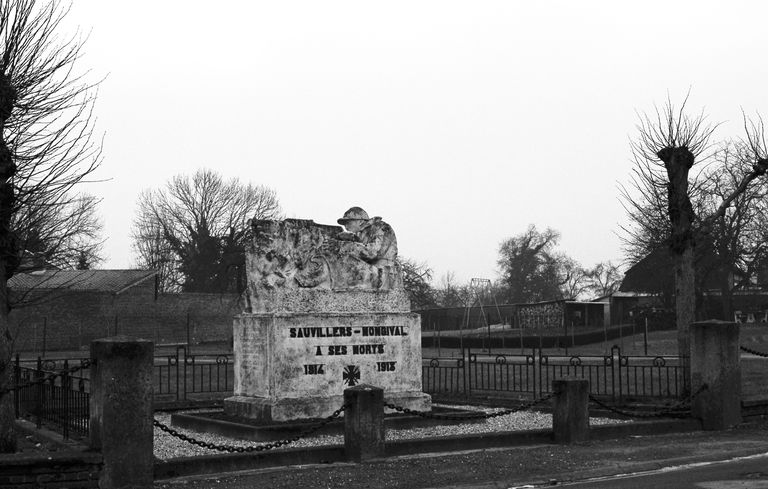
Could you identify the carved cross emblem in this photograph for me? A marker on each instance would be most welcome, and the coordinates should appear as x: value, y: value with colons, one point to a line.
x: 351, y: 375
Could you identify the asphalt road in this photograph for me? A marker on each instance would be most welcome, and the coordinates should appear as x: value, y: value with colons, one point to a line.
x: 743, y: 473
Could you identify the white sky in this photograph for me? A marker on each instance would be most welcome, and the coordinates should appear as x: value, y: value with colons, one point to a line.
x: 458, y: 122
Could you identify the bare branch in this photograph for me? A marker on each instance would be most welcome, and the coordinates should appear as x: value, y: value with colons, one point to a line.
x: 194, y: 230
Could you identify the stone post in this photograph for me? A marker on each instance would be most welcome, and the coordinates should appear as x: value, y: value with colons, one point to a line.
x: 570, y: 411
x: 121, y: 411
x: 715, y: 362
x: 364, y: 423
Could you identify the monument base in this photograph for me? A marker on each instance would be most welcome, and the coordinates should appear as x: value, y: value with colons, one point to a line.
x: 287, y: 409
x: 292, y: 366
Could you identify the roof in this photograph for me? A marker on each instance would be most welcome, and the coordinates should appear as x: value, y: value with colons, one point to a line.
x: 655, y: 272
x: 114, y: 281
x: 620, y: 294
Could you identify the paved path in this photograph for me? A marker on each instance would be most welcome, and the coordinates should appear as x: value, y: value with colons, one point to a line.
x: 749, y: 472
x: 537, y: 466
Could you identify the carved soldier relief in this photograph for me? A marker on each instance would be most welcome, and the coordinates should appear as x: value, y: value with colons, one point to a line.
x: 296, y: 254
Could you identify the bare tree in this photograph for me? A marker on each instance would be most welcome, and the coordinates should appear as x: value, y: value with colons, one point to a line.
x: 603, y: 279
x: 665, y: 151
x: 575, y: 279
x: 737, y: 234
x: 450, y: 294
x: 416, y: 281
x: 194, y: 230
x: 46, y: 144
x: 533, y: 270
x: 152, y: 251
x: 66, y: 235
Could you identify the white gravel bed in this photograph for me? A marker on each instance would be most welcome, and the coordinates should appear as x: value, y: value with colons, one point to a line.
x: 167, y: 446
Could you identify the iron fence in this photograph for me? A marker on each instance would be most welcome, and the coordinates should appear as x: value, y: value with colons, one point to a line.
x: 62, y: 399
x: 616, y: 376
x: 181, y: 376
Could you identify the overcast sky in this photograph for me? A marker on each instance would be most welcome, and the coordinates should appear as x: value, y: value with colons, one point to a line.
x: 459, y: 123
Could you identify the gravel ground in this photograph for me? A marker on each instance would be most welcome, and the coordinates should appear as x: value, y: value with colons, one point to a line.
x: 167, y: 446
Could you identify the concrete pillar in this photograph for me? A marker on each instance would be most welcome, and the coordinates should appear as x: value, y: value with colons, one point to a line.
x: 715, y: 362
x: 364, y: 423
x: 570, y: 411
x: 121, y: 411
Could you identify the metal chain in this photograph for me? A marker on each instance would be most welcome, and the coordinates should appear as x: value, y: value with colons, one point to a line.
x: 47, y: 378
x: 472, y: 416
x: 754, y: 352
x: 672, y: 410
x: 250, y: 448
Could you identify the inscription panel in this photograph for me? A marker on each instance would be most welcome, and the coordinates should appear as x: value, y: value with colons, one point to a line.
x: 313, y: 360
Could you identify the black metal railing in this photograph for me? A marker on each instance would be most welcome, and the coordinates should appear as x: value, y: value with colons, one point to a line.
x: 180, y: 375
x: 58, y: 397
x: 616, y: 376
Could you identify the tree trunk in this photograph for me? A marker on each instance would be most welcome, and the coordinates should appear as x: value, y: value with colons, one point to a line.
x: 7, y: 412
x: 685, y: 301
x: 726, y: 295
x: 8, y: 262
x: 678, y: 161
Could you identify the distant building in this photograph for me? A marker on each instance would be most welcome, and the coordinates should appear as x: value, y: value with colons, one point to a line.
x: 650, y: 283
x: 67, y: 309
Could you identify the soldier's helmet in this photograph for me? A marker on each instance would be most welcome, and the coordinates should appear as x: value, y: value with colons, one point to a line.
x: 352, y: 214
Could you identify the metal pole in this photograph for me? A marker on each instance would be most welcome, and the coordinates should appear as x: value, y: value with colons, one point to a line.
x: 45, y: 332
x: 633, y: 334
x: 16, y: 382
x: 489, y: 337
x: 40, y: 392
x: 645, y: 336
x: 573, y: 335
x: 65, y: 398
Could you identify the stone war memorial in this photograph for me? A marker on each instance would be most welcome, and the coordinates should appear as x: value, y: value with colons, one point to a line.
x: 327, y: 311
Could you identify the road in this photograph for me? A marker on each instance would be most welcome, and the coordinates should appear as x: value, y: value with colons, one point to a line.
x: 743, y: 473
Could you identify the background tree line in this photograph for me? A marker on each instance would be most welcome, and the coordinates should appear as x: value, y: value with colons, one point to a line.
x: 530, y: 269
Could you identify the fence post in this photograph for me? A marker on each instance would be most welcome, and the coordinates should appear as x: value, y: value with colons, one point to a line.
x: 570, y: 410
x: 16, y: 384
x: 121, y: 412
x: 65, y: 399
x: 715, y: 362
x: 364, y: 423
x: 40, y: 393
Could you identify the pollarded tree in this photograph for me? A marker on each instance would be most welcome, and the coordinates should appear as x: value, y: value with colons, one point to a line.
x: 733, y: 244
x: 46, y: 146
x: 195, y: 230
x: 667, y: 147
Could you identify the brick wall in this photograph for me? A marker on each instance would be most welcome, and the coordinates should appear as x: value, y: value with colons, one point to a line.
x: 50, y: 470
x: 66, y: 320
